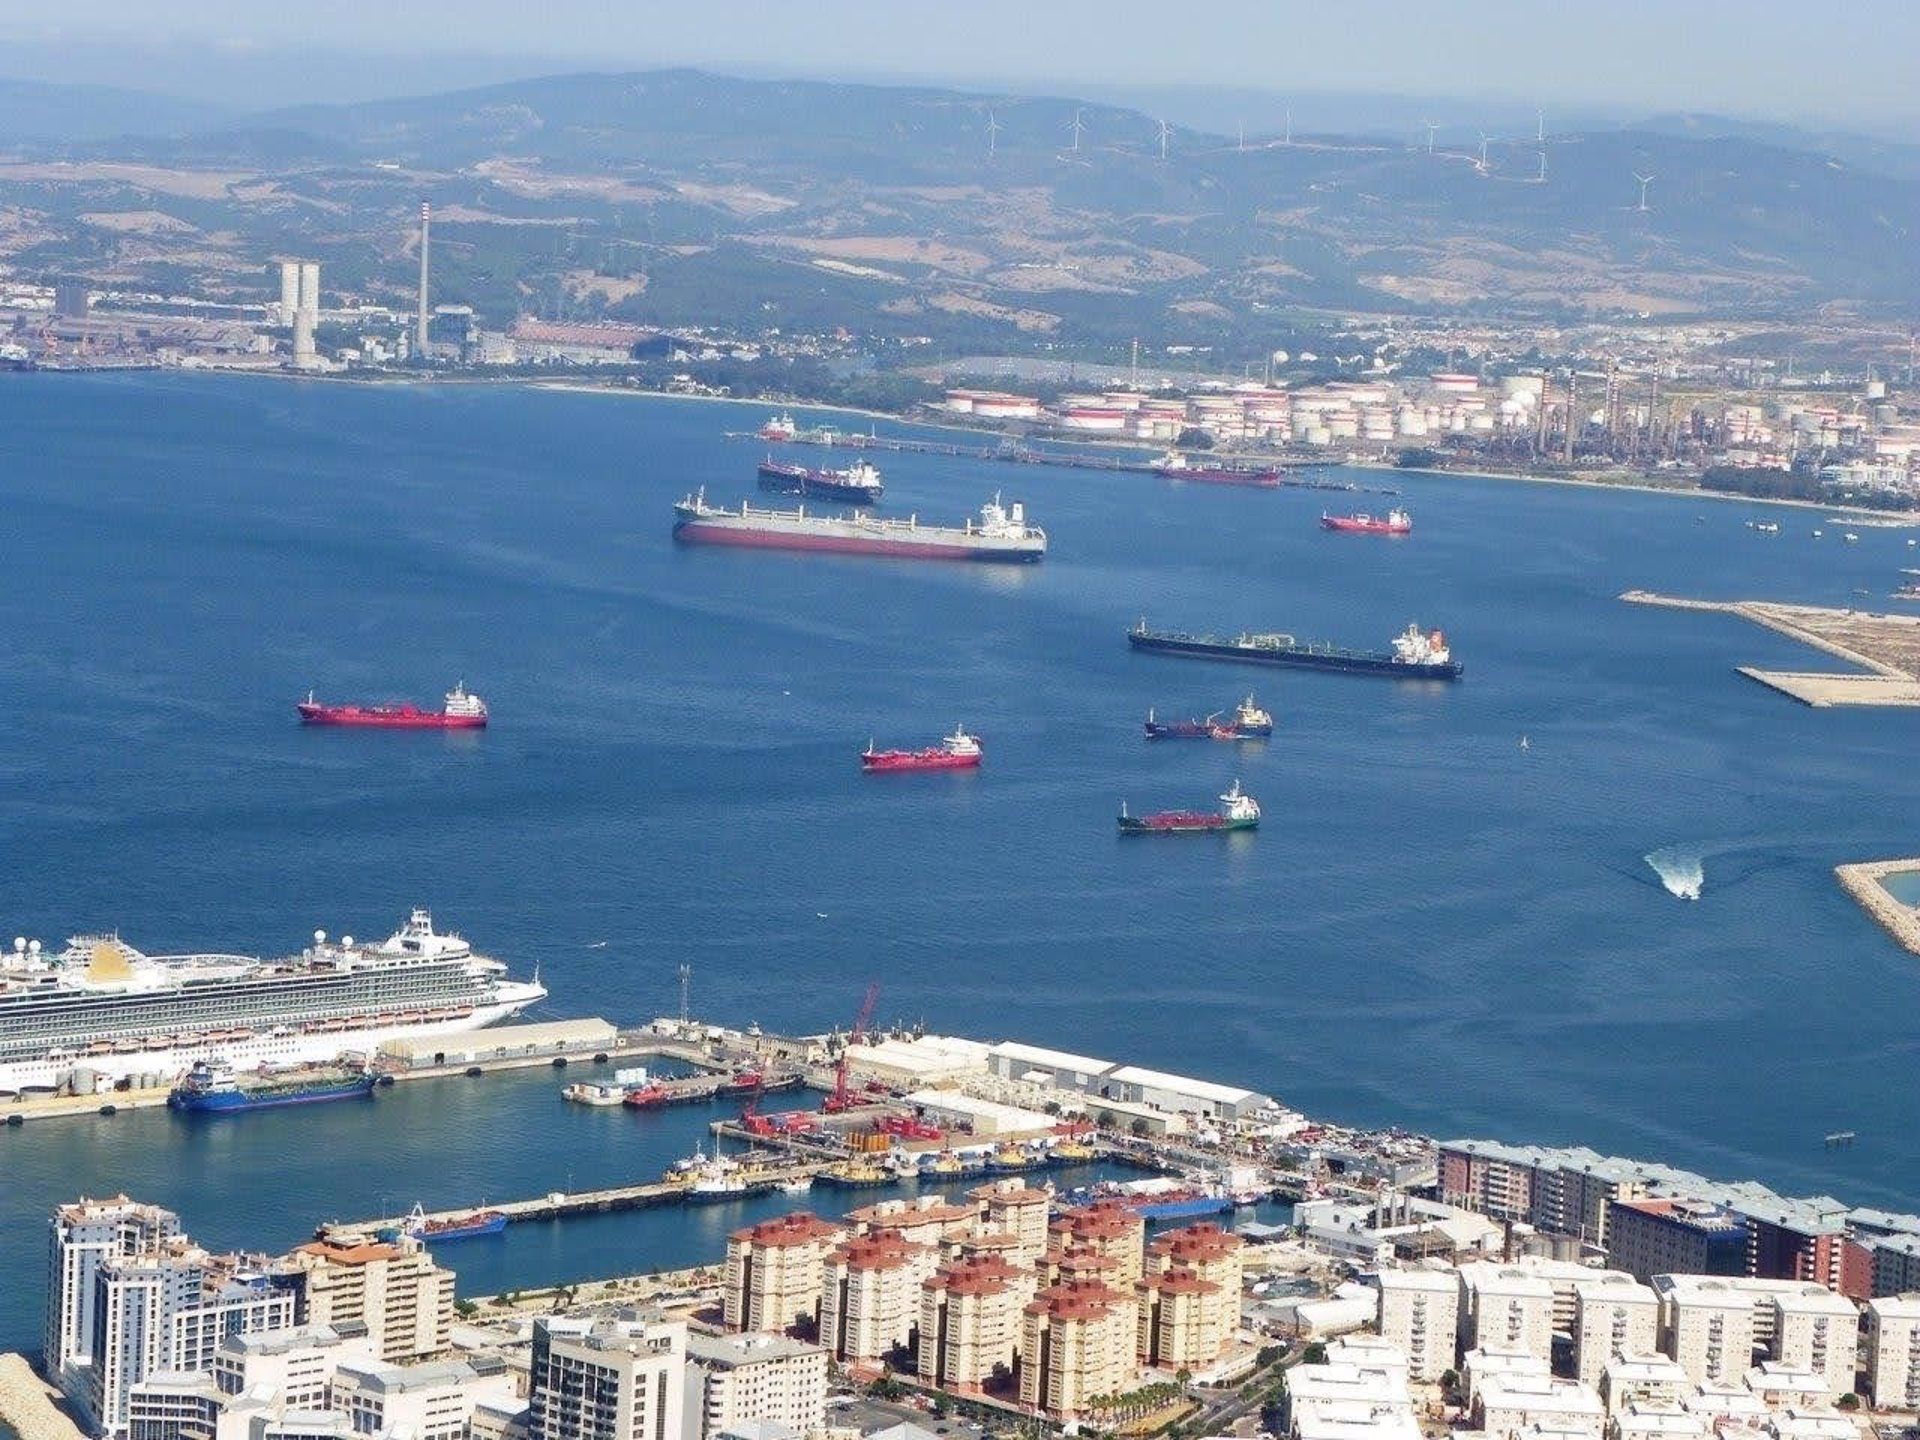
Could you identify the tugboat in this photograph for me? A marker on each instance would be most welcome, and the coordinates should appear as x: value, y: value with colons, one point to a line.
x: 1238, y: 811
x: 463, y: 711
x: 1395, y: 522
x: 958, y: 751
x: 853, y: 1175
x: 858, y: 484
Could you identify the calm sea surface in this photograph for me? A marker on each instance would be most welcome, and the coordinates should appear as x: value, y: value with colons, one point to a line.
x: 1434, y: 927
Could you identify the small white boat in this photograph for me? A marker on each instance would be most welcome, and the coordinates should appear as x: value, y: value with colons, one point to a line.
x: 582, y: 1092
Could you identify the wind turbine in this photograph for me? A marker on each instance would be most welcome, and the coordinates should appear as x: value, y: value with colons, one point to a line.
x: 1078, y: 126
x: 993, y: 133
x: 1540, y: 126
x: 1645, y: 180
x: 1165, y: 131
x: 1541, y: 178
x: 1432, y: 126
x: 1482, y: 166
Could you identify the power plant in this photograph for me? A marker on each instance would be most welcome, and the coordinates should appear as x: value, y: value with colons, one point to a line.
x: 420, y: 322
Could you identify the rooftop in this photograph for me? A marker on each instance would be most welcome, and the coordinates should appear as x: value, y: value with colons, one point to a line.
x: 1051, y: 1059
x: 1185, y: 1085
x: 733, y: 1350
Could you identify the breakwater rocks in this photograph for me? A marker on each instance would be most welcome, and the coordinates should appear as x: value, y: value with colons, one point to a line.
x: 1862, y: 882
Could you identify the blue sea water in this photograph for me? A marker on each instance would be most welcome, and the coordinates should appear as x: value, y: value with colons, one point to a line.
x: 1434, y: 927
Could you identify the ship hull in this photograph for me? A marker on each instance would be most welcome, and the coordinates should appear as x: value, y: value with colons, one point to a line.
x: 884, y: 764
x: 309, y: 1048
x: 1347, y: 526
x: 360, y: 718
x: 493, y: 1225
x: 812, y: 485
x: 236, y: 1102
x: 1254, y: 479
x: 706, y: 532
x: 1179, y: 730
x: 1345, y: 662
x: 1182, y: 824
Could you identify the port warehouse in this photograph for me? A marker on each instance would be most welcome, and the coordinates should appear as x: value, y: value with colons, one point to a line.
x: 548, y: 1040
x: 1124, y: 1085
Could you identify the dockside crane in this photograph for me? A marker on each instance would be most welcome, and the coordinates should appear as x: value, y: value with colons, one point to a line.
x: 840, y: 1100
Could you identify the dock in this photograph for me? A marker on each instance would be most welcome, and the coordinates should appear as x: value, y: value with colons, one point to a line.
x: 1884, y: 648
x: 1863, y: 882
x: 559, y: 1204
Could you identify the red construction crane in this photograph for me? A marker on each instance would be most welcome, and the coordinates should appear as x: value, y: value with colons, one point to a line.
x: 839, y: 1100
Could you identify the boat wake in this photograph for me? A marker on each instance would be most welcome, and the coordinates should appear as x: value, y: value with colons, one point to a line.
x: 1681, y: 868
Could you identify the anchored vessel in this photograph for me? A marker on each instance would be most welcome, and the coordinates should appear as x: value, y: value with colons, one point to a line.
x: 958, y: 751
x: 1249, y: 722
x: 1238, y: 811
x: 1176, y: 466
x: 779, y: 427
x: 212, y: 1089
x: 463, y: 711
x: 859, y: 483
x: 1001, y: 533
x: 101, y: 1012
x: 1394, y: 522
x: 1416, y: 654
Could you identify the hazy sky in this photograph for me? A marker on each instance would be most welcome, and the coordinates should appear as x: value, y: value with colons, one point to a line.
x: 1788, y: 58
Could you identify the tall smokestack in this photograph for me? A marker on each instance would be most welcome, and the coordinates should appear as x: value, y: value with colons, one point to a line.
x: 420, y: 324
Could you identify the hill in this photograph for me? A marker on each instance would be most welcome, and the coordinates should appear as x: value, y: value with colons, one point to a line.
x: 682, y: 197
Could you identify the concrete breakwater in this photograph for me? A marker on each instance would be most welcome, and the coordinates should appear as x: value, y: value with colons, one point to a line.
x: 1863, y: 882
x: 27, y: 1404
x: 1885, y: 647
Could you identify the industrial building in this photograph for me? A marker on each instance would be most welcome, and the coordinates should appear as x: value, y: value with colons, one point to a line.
x: 984, y: 1119
x: 589, y: 1038
x: 1155, y: 1090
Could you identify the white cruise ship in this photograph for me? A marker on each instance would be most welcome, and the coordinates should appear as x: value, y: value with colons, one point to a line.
x: 104, y: 1009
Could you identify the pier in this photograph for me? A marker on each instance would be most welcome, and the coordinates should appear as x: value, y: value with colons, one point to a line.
x: 560, y: 1204
x: 1885, y: 648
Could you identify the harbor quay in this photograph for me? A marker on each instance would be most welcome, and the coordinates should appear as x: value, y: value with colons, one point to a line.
x: 1413, y: 1282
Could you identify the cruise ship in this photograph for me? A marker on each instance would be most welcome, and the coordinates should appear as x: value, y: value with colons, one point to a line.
x: 105, y: 1010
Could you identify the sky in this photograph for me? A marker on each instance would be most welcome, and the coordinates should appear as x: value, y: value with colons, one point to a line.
x: 1784, y: 59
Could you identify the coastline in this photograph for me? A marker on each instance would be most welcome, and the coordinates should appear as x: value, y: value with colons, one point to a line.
x: 1880, y: 519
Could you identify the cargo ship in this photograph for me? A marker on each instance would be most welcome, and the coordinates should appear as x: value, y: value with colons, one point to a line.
x: 779, y: 427
x: 1249, y: 722
x: 958, y: 751
x: 1000, y: 534
x: 100, y: 1011
x: 455, y: 1227
x: 1176, y: 466
x: 1416, y: 654
x: 211, y: 1089
x: 1394, y: 522
x: 1238, y: 811
x: 858, y: 484
x: 462, y: 711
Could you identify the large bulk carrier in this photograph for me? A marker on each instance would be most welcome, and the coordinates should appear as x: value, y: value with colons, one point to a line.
x: 101, y: 1012
x: 1000, y: 534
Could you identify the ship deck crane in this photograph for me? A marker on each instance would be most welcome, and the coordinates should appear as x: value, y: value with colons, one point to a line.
x: 840, y: 1100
